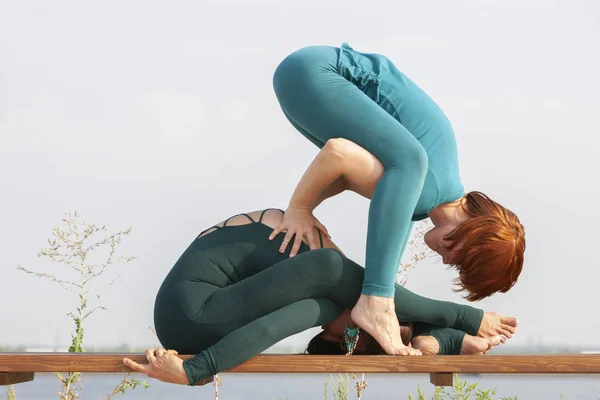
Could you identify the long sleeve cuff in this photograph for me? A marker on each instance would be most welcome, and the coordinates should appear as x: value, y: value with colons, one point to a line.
x: 471, y: 320
x: 200, y: 367
x: 449, y: 340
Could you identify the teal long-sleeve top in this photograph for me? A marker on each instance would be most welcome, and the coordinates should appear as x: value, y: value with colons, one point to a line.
x: 416, y: 111
x: 329, y: 92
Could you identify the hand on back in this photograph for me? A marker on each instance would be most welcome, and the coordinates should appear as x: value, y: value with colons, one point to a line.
x: 299, y: 223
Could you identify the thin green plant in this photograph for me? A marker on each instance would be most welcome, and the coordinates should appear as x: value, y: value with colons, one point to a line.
x: 340, y: 386
x: 75, y: 244
x: 460, y: 390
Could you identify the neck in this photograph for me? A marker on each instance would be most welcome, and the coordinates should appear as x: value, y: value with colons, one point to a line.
x: 447, y: 213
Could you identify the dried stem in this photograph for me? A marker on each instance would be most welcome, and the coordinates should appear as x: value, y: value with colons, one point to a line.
x: 73, y: 244
x: 416, y: 250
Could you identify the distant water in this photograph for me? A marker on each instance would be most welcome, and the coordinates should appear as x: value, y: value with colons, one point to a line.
x: 311, y: 386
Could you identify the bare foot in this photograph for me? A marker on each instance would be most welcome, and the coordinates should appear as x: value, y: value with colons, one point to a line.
x: 494, y: 324
x: 427, y: 344
x: 376, y: 316
x: 472, y: 345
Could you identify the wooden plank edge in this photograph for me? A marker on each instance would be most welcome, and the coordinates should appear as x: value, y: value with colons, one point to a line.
x: 112, y: 362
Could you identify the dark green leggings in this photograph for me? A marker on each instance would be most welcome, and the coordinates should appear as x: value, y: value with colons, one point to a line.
x: 231, y: 324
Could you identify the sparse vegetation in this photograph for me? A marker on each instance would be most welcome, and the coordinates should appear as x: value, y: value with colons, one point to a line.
x: 460, y: 390
x: 76, y: 245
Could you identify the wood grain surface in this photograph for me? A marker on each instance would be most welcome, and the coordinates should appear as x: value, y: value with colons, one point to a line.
x: 289, y: 363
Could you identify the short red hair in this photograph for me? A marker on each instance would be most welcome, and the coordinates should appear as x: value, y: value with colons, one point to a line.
x: 489, y: 248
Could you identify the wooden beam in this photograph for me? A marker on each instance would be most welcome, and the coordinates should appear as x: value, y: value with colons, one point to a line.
x: 441, y: 379
x: 10, y: 378
x: 287, y: 363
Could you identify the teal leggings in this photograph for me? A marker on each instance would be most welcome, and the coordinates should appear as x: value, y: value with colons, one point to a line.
x: 322, y: 104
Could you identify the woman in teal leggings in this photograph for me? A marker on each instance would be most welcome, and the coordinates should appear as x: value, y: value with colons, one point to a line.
x: 231, y: 295
x: 328, y: 93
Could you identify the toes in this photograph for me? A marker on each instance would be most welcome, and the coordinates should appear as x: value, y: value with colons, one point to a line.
x: 493, y: 342
x: 403, y: 352
x: 509, y: 328
x: 496, y: 340
x: 503, y: 339
x: 414, y: 352
x: 511, y: 321
x: 407, y: 351
x: 506, y: 333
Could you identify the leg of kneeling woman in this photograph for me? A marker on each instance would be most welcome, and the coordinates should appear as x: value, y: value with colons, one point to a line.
x: 295, y: 294
x: 258, y: 335
x: 314, y: 274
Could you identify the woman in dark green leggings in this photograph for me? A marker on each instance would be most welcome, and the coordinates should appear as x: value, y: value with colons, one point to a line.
x: 329, y: 93
x: 232, y: 295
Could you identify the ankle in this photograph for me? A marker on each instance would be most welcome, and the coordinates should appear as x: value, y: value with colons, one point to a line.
x: 377, y: 303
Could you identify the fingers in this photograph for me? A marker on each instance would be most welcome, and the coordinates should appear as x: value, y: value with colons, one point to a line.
x: 142, y: 368
x: 160, y: 352
x: 297, y: 244
x: 276, y: 232
x: 149, y: 353
x: 322, y: 228
x: 312, y: 240
x: 286, y: 240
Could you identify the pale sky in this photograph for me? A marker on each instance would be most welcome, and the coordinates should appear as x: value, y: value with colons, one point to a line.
x: 161, y: 116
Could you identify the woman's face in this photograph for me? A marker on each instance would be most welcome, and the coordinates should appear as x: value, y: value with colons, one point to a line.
x: 434, y: 239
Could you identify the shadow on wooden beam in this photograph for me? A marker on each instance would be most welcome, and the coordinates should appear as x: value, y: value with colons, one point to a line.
x: 10, y: 378
x: 441, y: 378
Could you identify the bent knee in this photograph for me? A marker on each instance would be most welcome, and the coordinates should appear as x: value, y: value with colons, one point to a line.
x: 327, y: 256
x: 410, y: 157
x: 301, y: 64
x: 328, y: 264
